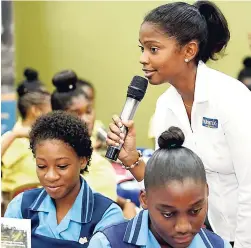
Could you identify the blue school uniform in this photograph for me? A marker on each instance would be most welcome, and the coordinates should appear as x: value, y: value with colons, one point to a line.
x: 90, y: 212
x: 135, y: 233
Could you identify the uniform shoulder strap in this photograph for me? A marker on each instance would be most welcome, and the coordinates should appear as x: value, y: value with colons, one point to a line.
x: 29, y: 197
x: 115, y: 235
x: 99, y: 204
x: 211, y: 239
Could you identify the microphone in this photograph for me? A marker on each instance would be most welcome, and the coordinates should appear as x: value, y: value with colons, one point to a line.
x: 135, y: 93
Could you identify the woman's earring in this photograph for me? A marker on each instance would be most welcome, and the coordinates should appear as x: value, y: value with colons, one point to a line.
x: 186, y: 60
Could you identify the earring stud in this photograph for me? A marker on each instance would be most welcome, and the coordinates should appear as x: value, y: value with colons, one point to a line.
x: 186, y: 60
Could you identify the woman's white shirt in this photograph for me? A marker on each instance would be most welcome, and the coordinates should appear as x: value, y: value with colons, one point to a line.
x: 220, y: 133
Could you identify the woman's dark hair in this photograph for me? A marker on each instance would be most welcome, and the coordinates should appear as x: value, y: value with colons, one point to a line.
x: 172, y: 161
x: 30, y: 99
x: 246, y: 71
x: 31, y: 83
x: 83, y: 83
x: 66, y: 88
x: 203, y: 21
x: 31, y: 92
x: 60, y: 125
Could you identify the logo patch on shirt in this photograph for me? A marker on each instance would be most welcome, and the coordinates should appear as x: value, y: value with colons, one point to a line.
x: 211, y: 123
x: 83, y: 240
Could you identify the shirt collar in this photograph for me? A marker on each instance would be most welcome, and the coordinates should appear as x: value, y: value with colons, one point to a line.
x: 201, y: 83
x: 201, y: 94
x: 81, y: 210
x: 137, y: 229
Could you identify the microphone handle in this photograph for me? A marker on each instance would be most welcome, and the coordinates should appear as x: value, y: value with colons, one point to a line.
x: 127, y: 113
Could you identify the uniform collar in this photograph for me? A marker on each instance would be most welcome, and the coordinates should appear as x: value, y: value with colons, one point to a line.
x: 137, y: 229
x: 83, y: 206
x: 81, y: 210
x: 138, y: 233
x: 201, y: 94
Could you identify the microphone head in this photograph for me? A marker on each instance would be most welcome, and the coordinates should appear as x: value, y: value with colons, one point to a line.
x: 137, y: 88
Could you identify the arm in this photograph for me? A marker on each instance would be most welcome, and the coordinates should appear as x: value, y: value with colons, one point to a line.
x: 128, y: 154
x: 7, y: 140
x: 238, y: 135
x: 128, y: 207
x: 14, y: 208
x: 139, y: 170
x: 111, y: 216
x: 9, y: 137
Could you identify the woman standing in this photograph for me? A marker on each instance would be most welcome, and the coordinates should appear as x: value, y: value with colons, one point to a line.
x: 209, y: 106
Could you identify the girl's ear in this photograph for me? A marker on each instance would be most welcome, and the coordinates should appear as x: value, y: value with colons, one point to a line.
x: 143, y: 199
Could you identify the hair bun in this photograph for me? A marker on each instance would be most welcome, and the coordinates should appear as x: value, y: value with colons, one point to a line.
x: 31, y: 74
x: 65, y: 81
x: 247, y: 62
x: 171, y: 139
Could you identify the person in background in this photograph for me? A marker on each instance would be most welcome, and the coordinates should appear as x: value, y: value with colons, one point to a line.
x: 68, y: 96
x: 99, y: 132
x: 32, y: 83
x: 245, y: 74
x: 18, y: 165
x: 65, y: 211
x: 176, y: 41
x: 175, y: 202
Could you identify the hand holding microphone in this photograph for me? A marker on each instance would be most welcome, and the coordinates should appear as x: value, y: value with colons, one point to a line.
x: 121, y: 138
x: 116, y: 138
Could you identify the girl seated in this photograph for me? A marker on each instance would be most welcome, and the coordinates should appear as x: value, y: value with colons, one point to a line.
x: 65, y: 212
x: 175, y: 203
x: 18, y: 165
x: 70, y: 96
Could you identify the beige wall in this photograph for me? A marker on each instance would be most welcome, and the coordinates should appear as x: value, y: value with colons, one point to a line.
x: 99, y: 41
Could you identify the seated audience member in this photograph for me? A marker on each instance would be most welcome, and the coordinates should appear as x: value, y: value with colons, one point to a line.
x: 175, y: 203
x: 65, y: 212
x: 68, y: 96
x: 71, y: 98
x: 99, y: 132
x: 245, y: 74
x: 31, y: 83
x: 18, y: 165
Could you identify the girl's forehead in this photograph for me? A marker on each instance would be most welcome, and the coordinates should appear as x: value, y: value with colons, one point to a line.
x: 79, y: 102
x: 53, y: 148
x: 153, y: 33
x: 176, y: 187
x: 178, y: 195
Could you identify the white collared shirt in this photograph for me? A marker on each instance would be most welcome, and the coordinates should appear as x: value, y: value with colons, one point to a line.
x: 220, y: 133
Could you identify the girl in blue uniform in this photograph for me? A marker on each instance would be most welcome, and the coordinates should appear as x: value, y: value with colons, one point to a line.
x: 65, y: 212
x: 70, y: 96
x: 175, y: 203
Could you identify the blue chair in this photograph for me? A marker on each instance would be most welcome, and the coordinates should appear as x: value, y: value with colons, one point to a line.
x: 129, y: 190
